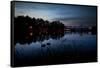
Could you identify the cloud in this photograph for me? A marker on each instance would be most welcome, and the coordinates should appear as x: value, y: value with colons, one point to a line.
x: 78, y: 20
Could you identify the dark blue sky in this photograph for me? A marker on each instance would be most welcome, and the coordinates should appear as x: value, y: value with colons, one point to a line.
x: 68, y: 14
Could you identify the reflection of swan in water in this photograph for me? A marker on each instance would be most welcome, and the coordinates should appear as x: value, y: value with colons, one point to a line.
x: 43, y: 45
x: 48, y: 43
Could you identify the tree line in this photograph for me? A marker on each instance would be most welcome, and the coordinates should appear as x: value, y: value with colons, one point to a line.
x: 26, y: 27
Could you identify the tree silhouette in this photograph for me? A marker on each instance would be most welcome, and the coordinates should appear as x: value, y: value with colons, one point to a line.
x: 27, y: 28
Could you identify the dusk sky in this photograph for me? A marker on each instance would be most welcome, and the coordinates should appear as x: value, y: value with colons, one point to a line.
x: 67, y: 14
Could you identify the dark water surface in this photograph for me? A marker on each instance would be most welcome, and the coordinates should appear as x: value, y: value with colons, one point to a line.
x: 69, y: 48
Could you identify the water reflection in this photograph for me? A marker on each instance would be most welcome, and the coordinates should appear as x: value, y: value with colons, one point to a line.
x: 39, y: 37
x: 66, y: 47
x: 42, y: 37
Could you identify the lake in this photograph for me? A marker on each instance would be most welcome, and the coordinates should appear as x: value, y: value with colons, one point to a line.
x: 72, y: 47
